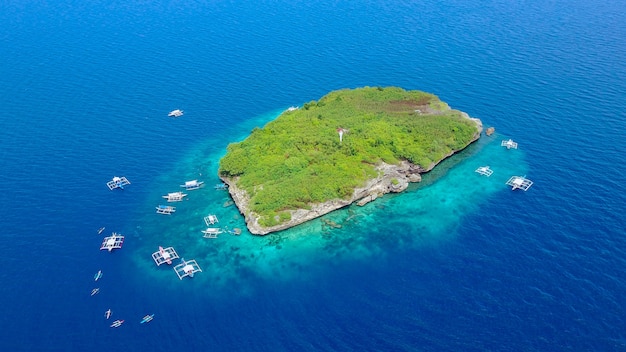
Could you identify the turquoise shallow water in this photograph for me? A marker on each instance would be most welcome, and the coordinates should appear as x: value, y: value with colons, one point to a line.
x: 429, y: 212
x: 458, y: 262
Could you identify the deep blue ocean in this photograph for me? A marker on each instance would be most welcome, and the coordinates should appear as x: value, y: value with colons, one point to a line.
x: 458, y: 262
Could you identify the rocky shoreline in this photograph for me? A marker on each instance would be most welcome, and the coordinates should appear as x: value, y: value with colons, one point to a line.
x: 391, y: 178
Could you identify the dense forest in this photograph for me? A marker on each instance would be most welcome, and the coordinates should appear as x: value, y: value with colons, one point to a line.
x: 300, y: 158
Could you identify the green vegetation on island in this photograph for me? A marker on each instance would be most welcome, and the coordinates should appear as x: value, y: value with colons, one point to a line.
x: 298, y: 159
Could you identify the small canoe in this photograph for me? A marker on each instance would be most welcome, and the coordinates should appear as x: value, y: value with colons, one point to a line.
x: 147, y: 319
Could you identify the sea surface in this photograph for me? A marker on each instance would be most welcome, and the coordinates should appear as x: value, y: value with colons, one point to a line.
x: 458, y: 262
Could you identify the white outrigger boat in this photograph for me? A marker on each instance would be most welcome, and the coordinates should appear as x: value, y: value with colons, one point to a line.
x: 211, y: 220
x: 211, y: 232
x: 164, y: 255
x: 187, y: 268
x: 175, y: 113
x: 484, y: 170
x: 117, y: 323
x: 509, y: 144
x: 175, y: 196
x: 165, y: 209
x: 107, y: 314
x: 118, y: 182
x: 519, y: 182
x: 95, y: 291
x: 115, y: 241
x: 193, y: 184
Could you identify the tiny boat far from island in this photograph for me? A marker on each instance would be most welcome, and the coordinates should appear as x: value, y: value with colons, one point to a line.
x: 175, y: 113
x: 115, y: 241
x: 117, y: 323
x: 107, y: 314
x: 95, y: 291
x: 147, y: 319
x: 97, y: 276
x: 118, y: 182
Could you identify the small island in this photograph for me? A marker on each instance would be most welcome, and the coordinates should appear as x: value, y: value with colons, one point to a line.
x: 352, y: 145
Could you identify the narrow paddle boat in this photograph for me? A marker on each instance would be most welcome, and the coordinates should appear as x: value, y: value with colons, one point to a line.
x: 147, y: 319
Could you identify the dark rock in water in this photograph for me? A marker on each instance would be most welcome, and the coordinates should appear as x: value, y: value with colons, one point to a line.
x: 331, y: 223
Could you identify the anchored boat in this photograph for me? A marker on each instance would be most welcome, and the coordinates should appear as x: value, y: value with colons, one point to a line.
x: 519, y: 182
x: 175, y: 196
x: 193, y: 184
x: 165, y: 209
x: 187, y: 268
x: 115, y: 241
x: 164, y: 255
x: 118, y: 182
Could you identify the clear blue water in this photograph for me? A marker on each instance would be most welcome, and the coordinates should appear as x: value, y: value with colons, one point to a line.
x: 458, y: 262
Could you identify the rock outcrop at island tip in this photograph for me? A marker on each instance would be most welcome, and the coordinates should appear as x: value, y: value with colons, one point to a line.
x: 389, y: 178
